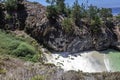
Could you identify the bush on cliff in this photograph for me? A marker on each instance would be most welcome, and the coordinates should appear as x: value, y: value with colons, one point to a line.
x: 61, y: 6
x: 15, y: 46
x: 105, y: 13
x: 76, y: 15
x: 11, y: 4
x: 52, y: 14
x: 39, y: 77
x: 23, y: 50
x: 67, y: 25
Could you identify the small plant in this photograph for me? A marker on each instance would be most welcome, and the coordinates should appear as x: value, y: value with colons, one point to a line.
x: 8, y: 17
x: 118, y: 16
x: 17, y: 47
x: 2, y: 71
x: 11, y: 4
x: 76, y: 13
x: 52, y: 13
x: 38, y: 78
x: 24, y: 50
x: 67, y: 24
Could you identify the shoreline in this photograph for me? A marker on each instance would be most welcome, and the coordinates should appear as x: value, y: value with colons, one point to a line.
x: 85, y: 61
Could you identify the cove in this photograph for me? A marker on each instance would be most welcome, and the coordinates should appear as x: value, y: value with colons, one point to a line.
x: 88, y: 61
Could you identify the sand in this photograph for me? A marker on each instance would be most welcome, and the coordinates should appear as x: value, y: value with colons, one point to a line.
x: 91, y: 61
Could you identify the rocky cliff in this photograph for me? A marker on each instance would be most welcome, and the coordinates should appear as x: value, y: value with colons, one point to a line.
x: 32, y: 18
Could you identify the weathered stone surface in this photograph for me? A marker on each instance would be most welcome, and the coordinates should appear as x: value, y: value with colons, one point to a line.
x: 32, y: 18
x: 54, y: 37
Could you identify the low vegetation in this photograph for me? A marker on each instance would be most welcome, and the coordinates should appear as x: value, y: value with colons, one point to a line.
x: 67, y: 25
x: 18, y: 47
x: 38, y: 78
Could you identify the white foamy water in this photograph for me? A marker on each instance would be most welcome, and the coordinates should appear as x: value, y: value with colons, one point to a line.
x: 86, y: 61
x: 107, y: 64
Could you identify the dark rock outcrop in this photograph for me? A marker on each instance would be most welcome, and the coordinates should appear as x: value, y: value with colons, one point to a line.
x: 54, y: 37
x: 32, y: 18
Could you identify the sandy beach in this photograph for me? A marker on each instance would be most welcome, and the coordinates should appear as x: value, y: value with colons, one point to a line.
x: 91, y: 61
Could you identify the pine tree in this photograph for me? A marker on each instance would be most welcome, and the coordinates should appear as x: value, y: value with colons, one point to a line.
x: 76, y: 15
x: 60, y: 6
x: 52, y: 13
x: 105, y: 13
x: 92, y: 12
x: 11, y: 4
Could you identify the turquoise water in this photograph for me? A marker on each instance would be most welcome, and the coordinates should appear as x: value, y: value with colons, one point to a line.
x: 114, y: 59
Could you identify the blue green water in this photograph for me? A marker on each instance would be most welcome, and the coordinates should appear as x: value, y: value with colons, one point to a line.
x: 114, y: 59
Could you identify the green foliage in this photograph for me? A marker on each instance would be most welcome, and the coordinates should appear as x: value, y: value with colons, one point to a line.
x: 67, y: 25
x: 83, y: 11
x: 56, y: 8
x: 8, y: 17
x: 52, y: 13
x: 11, y: 4
x: 2, y: 71
x: 96, y: 21
x: 68, y: 11
x: 24, y: 50
x: 92, y: 12
x: 76, y: 15
x: 60, y: 6
x: 118, y: 16
x: 105, y: 13
x: 95, y: 25
x: 14, y: 46
x: 38, y: 78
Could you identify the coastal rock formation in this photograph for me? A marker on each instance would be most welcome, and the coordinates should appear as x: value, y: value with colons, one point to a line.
x: 54, y: 37
x: 32, y: 18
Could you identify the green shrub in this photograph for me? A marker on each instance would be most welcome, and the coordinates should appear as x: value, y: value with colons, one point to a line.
x: 11, y: 4
x: 38, y: 78
x: 118, y: 16
x: 24, y: 50
x: 96, y: 21
x: 2, y: 71
x: 52, y: 13
x: 8, y: 17
x: 105, y: 13
x: 67, y: 24
x: 17, y: 47
x: 76, y: 15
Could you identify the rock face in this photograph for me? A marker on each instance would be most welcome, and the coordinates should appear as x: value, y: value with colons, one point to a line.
x: 55, y: 38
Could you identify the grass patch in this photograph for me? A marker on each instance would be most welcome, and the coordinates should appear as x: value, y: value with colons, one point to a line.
x: 18, y: 47
x: 2, y: 71
x: 39, y: 77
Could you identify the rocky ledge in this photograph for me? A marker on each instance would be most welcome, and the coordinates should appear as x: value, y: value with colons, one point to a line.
x: 81, y: 38
x: 34, y: 21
